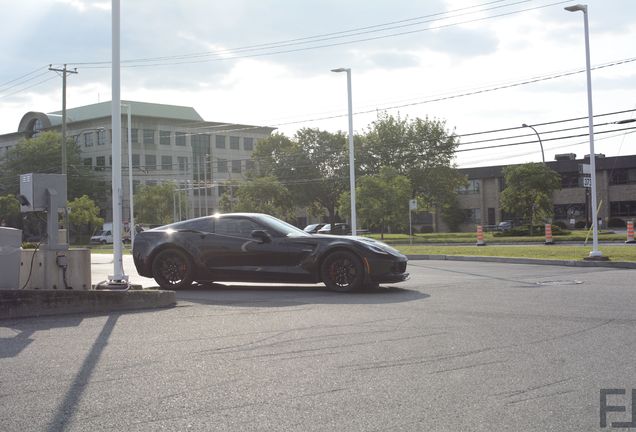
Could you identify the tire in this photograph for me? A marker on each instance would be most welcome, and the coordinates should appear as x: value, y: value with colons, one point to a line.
x: 342, y: 271
x: 172, y: 269
x: 103, y: 242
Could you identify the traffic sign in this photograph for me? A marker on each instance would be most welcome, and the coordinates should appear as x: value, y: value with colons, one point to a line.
x: 587, y: 182
x: 413, y: 204
x: 585, y: 169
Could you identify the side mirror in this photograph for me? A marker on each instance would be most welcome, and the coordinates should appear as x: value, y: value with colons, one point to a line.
x: 261, y: 236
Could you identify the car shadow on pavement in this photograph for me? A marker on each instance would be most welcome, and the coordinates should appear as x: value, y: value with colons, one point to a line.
x: 277, y: 295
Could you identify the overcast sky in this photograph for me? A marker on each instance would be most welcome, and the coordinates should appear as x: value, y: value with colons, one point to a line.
x: 479, y: 65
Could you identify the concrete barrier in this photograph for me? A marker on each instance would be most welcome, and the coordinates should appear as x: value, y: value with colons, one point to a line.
x: 33, y: 303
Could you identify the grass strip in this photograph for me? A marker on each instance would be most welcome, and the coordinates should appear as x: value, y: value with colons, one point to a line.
x: 554, y: 252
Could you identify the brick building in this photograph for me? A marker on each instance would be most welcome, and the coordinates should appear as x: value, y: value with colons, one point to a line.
x: 616, y: 191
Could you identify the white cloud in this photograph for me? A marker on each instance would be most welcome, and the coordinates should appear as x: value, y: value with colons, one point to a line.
x: 297, y: 85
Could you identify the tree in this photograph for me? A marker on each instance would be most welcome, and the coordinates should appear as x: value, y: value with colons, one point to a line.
x: 382, y: 200
x: 263, y: 195
x: 313, y: 166
x: 453, y: 214
x: 84, y: 213
x: 154, y: 204
x: 42, y: 154
x: 528, y: 191
x: 420, y: 149
x: 9, y: 211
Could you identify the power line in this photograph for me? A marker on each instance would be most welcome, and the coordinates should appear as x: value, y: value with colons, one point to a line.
x: 546, y: 123
x: 105, y: 64
x: 544, y: 140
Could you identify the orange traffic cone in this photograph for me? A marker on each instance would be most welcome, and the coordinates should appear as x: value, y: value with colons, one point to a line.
x: 630, y: 232
x: 480, y: 236
x: 548, y: 234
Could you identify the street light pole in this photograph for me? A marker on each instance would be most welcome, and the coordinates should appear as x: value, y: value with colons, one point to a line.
x: 352, y: 172
x: 539, y: 138
x: 118, y: 280
x: 130, y: 174
x: 595, y: 253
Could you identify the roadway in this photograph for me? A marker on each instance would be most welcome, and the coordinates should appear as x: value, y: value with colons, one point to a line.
x: 461, y: 346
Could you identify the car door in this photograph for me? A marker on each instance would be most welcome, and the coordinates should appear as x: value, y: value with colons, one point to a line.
x: 231, y: 253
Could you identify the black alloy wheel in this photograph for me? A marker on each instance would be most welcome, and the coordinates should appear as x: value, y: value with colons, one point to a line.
x: 173, y: 269
x: 342, y: 271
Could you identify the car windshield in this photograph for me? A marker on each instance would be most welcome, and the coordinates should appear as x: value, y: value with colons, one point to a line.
x: 283, y: 227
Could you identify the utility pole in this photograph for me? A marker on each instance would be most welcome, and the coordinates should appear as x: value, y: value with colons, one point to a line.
x: 64, y: 72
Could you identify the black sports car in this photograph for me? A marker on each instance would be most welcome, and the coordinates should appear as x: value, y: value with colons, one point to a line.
x: 252, y: 247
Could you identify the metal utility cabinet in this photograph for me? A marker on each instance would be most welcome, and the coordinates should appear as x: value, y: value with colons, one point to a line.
x: 10, y: 254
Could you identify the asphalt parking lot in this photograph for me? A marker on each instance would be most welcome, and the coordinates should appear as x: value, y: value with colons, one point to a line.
x: 461, y: 346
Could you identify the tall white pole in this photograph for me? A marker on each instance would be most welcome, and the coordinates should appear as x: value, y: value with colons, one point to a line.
x: 352, y: 171
x: 595, y: 253
x: 118, y: 276
x: 205, y: 182
x: 130, y: 175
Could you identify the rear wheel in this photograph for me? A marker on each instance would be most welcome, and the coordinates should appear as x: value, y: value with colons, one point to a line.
x: 342, y: 271
x: 173, y: 269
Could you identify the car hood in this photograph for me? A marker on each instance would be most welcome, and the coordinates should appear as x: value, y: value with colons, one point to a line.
x: 365, y: 242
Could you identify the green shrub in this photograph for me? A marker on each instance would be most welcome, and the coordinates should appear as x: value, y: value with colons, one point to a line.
x: 524, y: 231
x: 559, y: 224
x: 616, y: 223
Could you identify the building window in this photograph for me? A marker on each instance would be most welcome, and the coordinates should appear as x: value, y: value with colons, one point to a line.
x: 100, y: 163
x: 623, y: 176
x: 136, y: 184
x: 622, y: 208
x: 164, y: 137
x: 200, y: 144
x: 472, y: 216
x: 101, y: 137
x: 234, y: 143
x: 220, y: 141
x: 134, y: 135
x: 166, y: 163
x: 149, y: 136
x: 248, y: 144
x: 221, y: 165
x: 250, y: 165
x: 151, y: 183
x: 236, y: 166
x: 135, y: 161
x: 570, y: 180
x: 472, y: 187
x: 182, y: 161
x: 88, y: 161
x: 180, y: 138
x: 88, y: 139
x: 569, y: 211
x: 150, y: 162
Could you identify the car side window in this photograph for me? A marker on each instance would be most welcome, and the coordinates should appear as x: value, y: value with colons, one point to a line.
x: 239, y: 227
x: 203, y: 225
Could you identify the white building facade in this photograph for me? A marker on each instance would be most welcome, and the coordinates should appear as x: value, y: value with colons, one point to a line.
x: 169, y: 144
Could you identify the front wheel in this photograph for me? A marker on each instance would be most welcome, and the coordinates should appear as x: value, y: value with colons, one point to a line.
x: 173, y: 269
x: 342, y: 271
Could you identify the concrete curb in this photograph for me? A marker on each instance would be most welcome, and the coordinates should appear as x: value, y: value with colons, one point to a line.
x: 567, y: 263
x: 34, y: 303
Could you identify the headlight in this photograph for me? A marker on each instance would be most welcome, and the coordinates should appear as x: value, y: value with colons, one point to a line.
x: 377, y: 249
